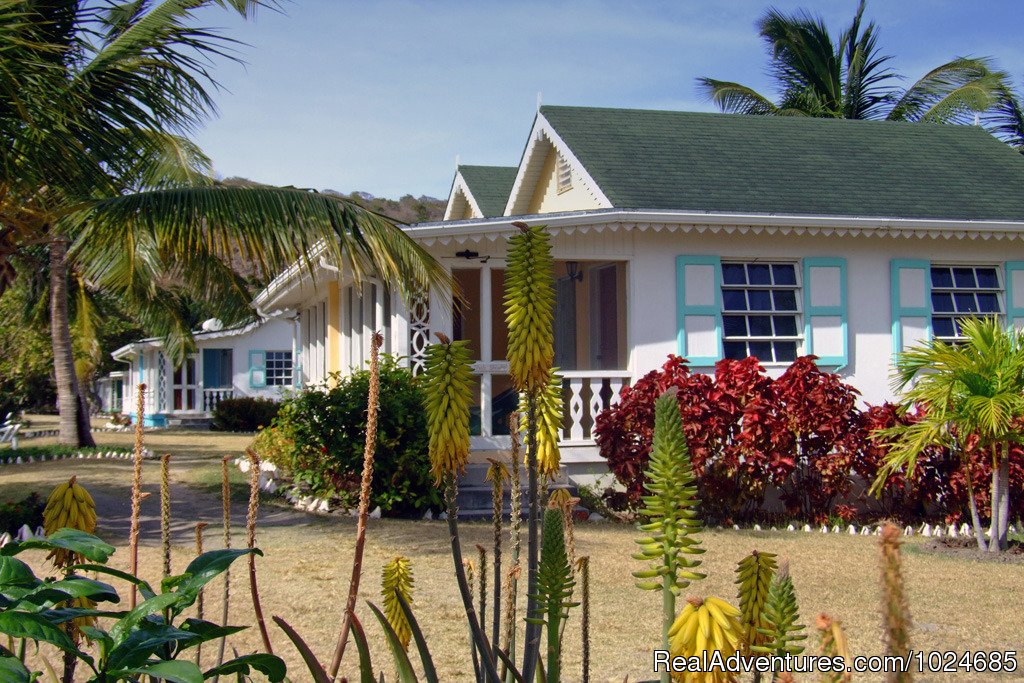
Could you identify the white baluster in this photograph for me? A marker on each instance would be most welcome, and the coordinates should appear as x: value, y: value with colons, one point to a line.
x: 596, y: 403
x: 576, y: 409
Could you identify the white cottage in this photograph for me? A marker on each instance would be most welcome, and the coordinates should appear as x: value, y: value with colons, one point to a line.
x: 257, y: 359
x: 704, y: 235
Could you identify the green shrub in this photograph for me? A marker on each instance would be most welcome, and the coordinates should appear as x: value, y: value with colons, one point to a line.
x: 244, y: 414
x: 319, y: 434
x: 14, y: 515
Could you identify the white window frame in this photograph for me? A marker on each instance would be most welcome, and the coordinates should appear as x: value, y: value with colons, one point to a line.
x: 999, y: 290
x: 274, y: 375
x: 797, y: 313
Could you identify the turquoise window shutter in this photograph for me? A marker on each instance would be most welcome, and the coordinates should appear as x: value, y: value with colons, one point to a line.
x: 699, y: 309
x: 257, y: 369
x: 1014, y: 294
x: 910, y: 288
x: 297, y: 370
x: 826, y: 333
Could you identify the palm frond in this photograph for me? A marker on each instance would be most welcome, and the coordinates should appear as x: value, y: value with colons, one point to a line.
x: 1005, y: 119
x: 951, y: 93
x: 734, y: 98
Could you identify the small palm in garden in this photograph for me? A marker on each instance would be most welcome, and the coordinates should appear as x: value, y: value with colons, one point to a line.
x: 971, y: 390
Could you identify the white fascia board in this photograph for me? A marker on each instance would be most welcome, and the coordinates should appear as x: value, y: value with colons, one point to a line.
x: 287, y: 278
x: 688, y: 220
x: 459, y: 185
x: 543, y: 131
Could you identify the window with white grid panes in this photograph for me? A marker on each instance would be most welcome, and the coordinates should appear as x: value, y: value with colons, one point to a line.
x: 279, y: 368
x: 961, y: 292
x: 760, y: 310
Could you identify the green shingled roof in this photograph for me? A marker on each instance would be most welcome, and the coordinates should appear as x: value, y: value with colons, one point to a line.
x: 733, y: 163
x: 490, y: 186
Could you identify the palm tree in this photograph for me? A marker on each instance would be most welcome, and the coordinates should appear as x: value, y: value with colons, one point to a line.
x: 973, y: 389
x: 97, y: 99
x: 850, y: 78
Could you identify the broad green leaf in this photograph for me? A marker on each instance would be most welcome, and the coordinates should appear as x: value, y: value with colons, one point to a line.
x: 271, y: 666
x: 35, y: 627
x: 13, y: 671
x: 143, y: 642
x: 402, y: 664
x: 86, y: 545
x: 144, y: 588
x: 71, y: 588
x: 202, y: 570
x: 14, y: 572
x: 206, y: 631
x: 119, y: 632
x: 174, y: 671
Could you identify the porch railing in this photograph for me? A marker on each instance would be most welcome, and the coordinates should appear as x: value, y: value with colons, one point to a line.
x: 586, y: 393
x: 211, y: 397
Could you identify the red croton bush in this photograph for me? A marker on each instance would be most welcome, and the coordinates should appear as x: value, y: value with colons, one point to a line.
x: 800, y: 436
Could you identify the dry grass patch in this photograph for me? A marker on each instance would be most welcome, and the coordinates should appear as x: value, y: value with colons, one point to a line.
x: 957, y: 603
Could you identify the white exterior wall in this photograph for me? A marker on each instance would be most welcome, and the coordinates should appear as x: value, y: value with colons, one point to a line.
x: 273, y: 335
x: 652, y: 280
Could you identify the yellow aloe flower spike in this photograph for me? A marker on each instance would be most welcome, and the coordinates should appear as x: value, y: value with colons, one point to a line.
x: 529, y: 307
x: 448, y: 393
x: 396, y: 579
x: 549, y: 424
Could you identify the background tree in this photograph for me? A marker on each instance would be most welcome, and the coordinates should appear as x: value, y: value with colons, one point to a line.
x: 849, y: 77
x: 972, y: 393
x: 97, y: 100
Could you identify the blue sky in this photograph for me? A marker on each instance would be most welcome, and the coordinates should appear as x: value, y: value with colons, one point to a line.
x: 382, y: 95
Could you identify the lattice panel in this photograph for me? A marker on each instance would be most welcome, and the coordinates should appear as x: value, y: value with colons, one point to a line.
x: 419, y: 332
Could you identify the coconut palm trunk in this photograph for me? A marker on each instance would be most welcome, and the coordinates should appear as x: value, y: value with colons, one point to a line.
x: 74, y: 417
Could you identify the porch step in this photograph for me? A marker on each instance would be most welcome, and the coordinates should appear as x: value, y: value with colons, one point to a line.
x: 475, y: 502
x: 189, y: 422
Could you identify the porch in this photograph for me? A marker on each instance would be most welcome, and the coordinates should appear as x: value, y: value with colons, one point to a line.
x: 590, y: 346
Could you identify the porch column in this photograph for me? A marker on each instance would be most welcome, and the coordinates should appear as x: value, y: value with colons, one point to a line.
x: 297, y: 350
x: 486, y: 428
x: 400, y: 328
x: 333, y: 327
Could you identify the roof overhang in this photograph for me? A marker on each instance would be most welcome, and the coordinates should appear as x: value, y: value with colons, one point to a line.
x: 129, y: 351
x: 598, y: 220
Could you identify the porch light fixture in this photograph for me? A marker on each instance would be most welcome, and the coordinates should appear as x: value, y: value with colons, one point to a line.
x: 572, y: 269
x: 467, y: 254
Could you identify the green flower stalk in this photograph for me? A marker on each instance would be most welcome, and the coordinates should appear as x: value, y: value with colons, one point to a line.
x: 671, y: 507
x: 529, y: 307
x: 554, y: 590
x: 397, y: 581
x: 515, y: 539
x: 781, y: 612
x: 754, y: 575
x: 448, y: 389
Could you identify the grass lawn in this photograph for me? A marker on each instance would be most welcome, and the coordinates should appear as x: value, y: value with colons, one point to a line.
x: 957, y: 603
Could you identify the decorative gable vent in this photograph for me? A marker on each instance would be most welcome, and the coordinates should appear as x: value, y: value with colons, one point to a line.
x: 564, y: 174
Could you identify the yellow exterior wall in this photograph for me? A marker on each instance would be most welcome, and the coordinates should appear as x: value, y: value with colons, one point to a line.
x: 333, y: 327
x: 546, y: 197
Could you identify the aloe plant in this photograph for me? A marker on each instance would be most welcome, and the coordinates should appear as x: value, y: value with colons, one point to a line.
x: 554, y: 590
x: 671, y: 510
